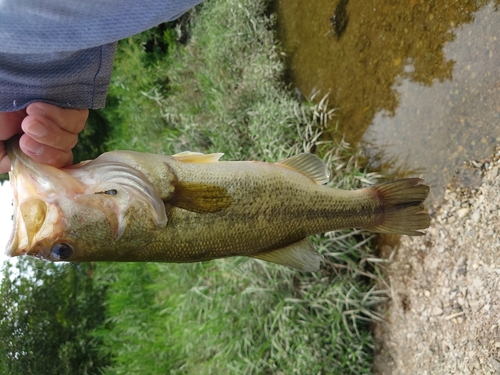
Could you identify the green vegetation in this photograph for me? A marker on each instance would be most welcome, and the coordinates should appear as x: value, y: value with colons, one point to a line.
x: 46, y: 316
x: 222, y: 90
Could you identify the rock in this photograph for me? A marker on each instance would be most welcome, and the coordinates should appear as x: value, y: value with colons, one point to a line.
x: 495, y: 364
x: 460, y: 266
x: 493, y: 173
x: 477, y: 282
x: 463, y: 212
x: 436, y: 311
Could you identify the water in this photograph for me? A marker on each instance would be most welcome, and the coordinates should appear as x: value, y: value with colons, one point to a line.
x: 416, y: 84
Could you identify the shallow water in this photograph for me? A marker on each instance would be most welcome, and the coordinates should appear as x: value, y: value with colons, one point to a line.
x: 416, y: 84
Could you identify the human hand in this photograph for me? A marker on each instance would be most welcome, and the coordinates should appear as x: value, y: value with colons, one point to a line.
x: 50, y: 132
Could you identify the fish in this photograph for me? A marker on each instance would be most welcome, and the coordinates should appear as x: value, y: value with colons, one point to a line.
x: 126, y: 206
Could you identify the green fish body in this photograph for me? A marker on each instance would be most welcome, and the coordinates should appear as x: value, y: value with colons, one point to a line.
x: 136, y: 207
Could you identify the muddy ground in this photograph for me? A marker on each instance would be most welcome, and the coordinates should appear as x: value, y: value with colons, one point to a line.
x: 444, y: 317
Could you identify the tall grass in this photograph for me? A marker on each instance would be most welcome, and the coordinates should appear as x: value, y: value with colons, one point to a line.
x: 224, y: 91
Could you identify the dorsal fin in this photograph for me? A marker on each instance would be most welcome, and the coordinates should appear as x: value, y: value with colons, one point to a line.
x: 197, y: 157
x: 310, y: 165
x: 299, y: 255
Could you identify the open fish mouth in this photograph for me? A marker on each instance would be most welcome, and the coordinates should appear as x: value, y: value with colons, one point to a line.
x: 51, y: 205
x: 34, y: 185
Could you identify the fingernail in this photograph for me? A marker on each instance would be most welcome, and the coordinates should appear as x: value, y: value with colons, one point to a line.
x: 35, y: 148
x: 36, y: 129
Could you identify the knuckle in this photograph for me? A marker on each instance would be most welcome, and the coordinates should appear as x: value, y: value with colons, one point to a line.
x: 73, y: 143
x: 79, y: 126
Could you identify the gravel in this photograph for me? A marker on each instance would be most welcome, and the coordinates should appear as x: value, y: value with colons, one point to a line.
x: 444, y: 317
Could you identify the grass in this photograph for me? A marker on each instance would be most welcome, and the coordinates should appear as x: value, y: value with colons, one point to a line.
x: 224, y: 92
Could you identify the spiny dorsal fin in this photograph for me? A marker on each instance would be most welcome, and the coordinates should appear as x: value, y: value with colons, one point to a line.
x: 310, y: 165
x: 201, y: 198
x: 299, y: 255
x: 197, y: 157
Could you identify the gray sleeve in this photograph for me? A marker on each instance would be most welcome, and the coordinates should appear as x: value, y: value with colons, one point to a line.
x: 61, y: 51
x: 77, y: 79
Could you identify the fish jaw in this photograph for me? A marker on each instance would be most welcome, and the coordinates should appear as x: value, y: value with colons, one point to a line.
x: 36, y: 188
x: 52, y: 207
x: 33, y: 219
x: 100, y: 209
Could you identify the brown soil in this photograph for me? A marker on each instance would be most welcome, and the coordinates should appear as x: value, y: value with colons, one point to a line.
x: 444, y: 316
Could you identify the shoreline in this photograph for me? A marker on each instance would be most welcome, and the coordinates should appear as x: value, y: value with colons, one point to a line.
x: 444, y: 314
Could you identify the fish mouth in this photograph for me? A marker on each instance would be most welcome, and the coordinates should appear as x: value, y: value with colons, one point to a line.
x: 34, y: 186
x: 29, y: 217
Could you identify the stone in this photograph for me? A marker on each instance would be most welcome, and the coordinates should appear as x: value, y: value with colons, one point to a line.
x: 463, y: 212
x: 436, y: 311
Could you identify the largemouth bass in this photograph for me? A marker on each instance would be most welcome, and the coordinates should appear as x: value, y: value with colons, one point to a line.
x: 134, y: 207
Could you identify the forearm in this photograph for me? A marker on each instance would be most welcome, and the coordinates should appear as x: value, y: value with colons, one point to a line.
x: 77, y: 79
x: 34, y: 26
x: 61, y: 51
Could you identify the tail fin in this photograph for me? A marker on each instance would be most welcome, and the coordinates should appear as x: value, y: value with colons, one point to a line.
x: 401, y: 209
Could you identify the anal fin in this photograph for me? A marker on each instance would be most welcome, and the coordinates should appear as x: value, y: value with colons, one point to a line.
x: 299, y: 255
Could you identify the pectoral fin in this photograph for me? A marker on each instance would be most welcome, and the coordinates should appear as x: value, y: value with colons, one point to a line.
x: 299, y: 255
x: 201, y: 198
x: 309, y: 165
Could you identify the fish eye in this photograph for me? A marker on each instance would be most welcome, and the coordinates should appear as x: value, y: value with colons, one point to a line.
x: 62, y: 251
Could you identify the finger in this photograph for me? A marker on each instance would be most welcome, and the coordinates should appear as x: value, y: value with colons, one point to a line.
x: 4, y: 160
x: 71, y: 120
x: 4, y: 164
x: 10, y: 123
x: 46, y: 132
x: 45, y: 154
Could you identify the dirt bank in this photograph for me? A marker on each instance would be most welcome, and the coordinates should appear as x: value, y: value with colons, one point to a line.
x: 444, y: 317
